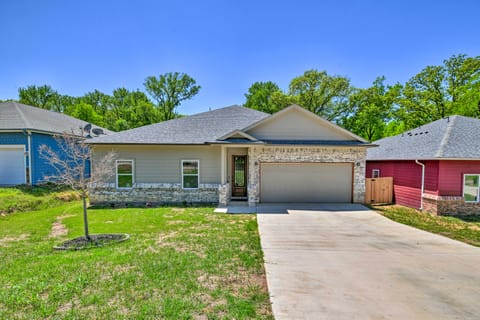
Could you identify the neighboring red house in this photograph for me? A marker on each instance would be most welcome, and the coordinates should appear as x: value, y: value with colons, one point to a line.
x: 435, y: 167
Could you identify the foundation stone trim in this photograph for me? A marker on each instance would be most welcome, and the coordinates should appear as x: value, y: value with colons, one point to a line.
x: 154, y: 194
x: 449, y: 206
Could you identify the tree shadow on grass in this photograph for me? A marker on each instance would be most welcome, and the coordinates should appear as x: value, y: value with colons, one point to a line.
x: 41, y: 190
x: 469, y: 218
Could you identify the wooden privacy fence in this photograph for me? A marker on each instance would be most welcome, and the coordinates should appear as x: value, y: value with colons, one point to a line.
x: 379, y: 190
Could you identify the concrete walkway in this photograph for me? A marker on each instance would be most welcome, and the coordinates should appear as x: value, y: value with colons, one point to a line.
x: 347, y: 262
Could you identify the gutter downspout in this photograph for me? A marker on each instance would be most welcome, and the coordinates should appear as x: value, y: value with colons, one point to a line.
x: 423, y: 182
x: 29, y: 137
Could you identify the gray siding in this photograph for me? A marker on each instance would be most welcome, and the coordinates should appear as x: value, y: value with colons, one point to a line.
x: 296, y: 125
x: 162, y: 164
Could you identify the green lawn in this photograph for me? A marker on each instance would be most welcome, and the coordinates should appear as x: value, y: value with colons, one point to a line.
x: 180, y: 263
x: 466, y: 229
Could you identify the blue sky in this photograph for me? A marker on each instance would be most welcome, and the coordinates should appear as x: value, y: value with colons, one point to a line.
x: 79, y: 46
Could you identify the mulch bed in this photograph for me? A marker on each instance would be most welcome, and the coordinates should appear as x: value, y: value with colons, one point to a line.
x: 96, y: 240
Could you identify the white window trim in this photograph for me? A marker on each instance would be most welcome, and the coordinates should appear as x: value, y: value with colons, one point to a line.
x: 373, y: 173
x: 198, y: 174
x: 116, y: 173
x: 478, y: 188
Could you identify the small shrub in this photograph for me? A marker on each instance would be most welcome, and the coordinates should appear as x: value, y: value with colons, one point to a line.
x: 67, y: 196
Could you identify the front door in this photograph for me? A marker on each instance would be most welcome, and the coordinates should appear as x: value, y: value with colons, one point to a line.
x: 239, y: 176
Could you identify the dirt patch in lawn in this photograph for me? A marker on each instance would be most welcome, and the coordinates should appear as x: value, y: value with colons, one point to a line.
x: 163, y: 241
x: 164, y: 236
x: 63, y: 216
x: 58, y: 228
x: 238, y: 282
x: 7, y: 239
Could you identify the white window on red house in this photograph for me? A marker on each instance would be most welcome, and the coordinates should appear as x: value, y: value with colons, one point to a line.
x: 376, y: 173
x: 471, y: 187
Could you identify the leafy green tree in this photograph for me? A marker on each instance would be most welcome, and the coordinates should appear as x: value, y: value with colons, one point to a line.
x: 282, y: 100
x: 133, y: 107
x: 462, y: 74
x: 40, y: 96
x: 393, y: 127
x: 120, y: 125
x: 169, y: 90
x: 264, y: 96
x: 439, y: 91
x: 371, y: 109
x: 98, y: 100
x: 86, y: 112
x: 122, y: 110
x: 424, y: 97
x: 321, y: 93
x: 143, y: 113
x: 119, y: 102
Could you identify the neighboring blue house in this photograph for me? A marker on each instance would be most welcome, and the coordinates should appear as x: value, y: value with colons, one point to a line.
x: 23, y: 129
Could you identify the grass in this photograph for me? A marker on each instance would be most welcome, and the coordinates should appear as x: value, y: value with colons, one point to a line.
x: 25, y: 198
x: 180, y: 263
x: 465, y: 229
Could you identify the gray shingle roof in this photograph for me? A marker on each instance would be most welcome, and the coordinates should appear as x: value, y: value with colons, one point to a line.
x: 17, y: 116
x: 454, y: 137
x: 195, y: 129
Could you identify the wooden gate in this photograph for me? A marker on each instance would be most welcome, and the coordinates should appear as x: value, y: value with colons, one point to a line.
x: 379, y: 190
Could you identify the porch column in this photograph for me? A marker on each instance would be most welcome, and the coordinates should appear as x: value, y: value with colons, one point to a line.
x: 223, y: 188
x: 223, y: 165
x: 252, y: 177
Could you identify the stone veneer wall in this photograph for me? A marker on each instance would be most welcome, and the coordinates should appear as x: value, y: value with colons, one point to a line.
x: 256, y: 155
x: 449, y: 205
x: 223, y: 194
x: 153, y: 194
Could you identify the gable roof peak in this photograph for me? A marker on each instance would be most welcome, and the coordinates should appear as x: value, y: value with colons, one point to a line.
x: 310, y: 114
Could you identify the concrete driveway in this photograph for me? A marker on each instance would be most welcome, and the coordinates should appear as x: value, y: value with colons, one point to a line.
x: 347, y: 262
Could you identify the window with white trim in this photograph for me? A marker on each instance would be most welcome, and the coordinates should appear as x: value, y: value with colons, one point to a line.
x: 376, y: 173
x: 471, y: 187
x: 190, y: 174
x: 125, y: 176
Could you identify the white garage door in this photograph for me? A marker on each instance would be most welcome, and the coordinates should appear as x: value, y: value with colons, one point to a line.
x: 306, y: 182
x: 12, y: 165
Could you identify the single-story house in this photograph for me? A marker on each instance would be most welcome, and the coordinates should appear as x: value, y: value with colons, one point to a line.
x: 23, y: 129
x: 234, y: 153
x: 435, y: 167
